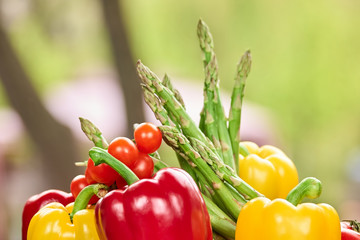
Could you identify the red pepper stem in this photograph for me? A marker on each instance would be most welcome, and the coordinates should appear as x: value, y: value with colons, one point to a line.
x: 99, y: 156
x: 82, y: 200
x: 309, y: 187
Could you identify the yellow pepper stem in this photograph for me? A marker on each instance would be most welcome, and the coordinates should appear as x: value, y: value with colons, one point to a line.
x: 309, y: 187
x: 82, y: 200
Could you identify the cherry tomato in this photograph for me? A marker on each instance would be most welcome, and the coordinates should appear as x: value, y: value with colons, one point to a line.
x: 125, y: 150
x: 77, y: 184
x: 144, y: 166
x: 102, y: 173
x: 147, y: 137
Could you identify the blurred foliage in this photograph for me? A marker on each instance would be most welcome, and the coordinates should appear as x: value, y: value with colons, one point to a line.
x: 305, y: 61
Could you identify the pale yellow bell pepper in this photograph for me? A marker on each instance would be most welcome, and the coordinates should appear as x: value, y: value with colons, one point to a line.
x: 268, y: 170
x: 53, y: 222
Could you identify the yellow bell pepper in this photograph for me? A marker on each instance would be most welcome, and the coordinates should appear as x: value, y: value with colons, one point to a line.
x: 75, y: 221
x: 53, y: 222
x: 268, y: 170
x: 282, y: 219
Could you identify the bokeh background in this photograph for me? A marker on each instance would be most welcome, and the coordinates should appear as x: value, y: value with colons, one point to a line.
x: 60, y: 60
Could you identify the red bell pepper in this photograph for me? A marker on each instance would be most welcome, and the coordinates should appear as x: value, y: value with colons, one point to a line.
x: 168, y: 206
x: 350, y: 230
x: 34, y: 203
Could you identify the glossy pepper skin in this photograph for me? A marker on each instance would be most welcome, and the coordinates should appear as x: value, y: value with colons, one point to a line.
x: 34, y: 203
x: 168, y: 207
x: 268, y: 170
x: 262, y: 218
x: 350, y: 230
x: 52, y: 222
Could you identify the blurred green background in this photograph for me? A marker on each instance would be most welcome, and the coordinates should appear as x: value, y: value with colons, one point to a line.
x: 305, y: 70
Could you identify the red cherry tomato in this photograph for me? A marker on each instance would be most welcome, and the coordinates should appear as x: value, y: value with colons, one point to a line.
x: 102, y: 173
x: 147, y: 137
x: 77, y: 184
x: 144, y: 166
x: 125, y: 150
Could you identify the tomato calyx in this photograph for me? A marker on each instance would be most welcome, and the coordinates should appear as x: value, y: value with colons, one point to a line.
x: 352, y: 225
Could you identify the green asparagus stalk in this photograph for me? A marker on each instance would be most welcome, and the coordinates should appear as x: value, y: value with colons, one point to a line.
x: 171, y: 104
x: 243, y: 69
x: 154, y: 103
x: 218, y: 237
x: 223, y: 171
x: 158, y: 164
x: 182, y: 145
x: 210, y: 64
x: 162, y: 115
x: 93, y: 133
x: 167, y: 83
x: 221, y: 222
x: 210, y: 117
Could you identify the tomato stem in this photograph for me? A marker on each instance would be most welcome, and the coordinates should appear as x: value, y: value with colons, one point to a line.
x: 309, y: 187
x: 82, y: 200
x: 99, y: 156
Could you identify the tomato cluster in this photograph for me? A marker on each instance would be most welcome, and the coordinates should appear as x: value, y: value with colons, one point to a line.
x: 134, y: 154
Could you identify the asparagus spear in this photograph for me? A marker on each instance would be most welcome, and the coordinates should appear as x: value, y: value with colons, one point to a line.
x: 171, y: 104
x: 154, y: 103
x: 218, y: 237
x: 93, y: 133
x: 210, y: 62
x: 221, y: 222
x: 243, y: 69
x: 167, y: 83
x: 210, y: 117
x: 182, y: 145
x: 223, y: 171
x: 162, y: 115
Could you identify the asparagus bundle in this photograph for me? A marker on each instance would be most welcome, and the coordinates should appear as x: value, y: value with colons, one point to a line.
x: 208, y: 151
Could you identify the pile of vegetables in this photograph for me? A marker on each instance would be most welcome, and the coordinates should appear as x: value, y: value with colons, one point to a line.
x: 225, y: 188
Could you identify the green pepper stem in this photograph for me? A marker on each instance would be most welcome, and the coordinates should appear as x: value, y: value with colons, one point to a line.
x: 82, y: 200
x: 99, y: 156
x: 309, y: 187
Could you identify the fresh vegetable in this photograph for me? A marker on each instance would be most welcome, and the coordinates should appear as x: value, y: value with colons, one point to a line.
x: 36, y: 202
x: 144, y: 166
x: 350, y: 230
x: 79, y: 183
x: 168, y: 206
x: 282, y: 219
x: 147, y: 137
x: 124, y: 150
x: 100, y: 174
x: 242, y: 72
x: 55, y: 221
x: 268, y: 170
x: 213, y: 111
